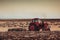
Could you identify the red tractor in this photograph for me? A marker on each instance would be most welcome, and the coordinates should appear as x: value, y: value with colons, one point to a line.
x: 37, y: 24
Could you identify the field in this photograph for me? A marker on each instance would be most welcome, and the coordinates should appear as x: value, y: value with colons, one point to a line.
x: 30, y: 35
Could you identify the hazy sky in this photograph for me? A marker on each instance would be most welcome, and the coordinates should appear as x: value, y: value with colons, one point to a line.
x: 29, y: 9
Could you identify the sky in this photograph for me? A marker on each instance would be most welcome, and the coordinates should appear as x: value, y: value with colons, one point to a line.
x: 30, y: 9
